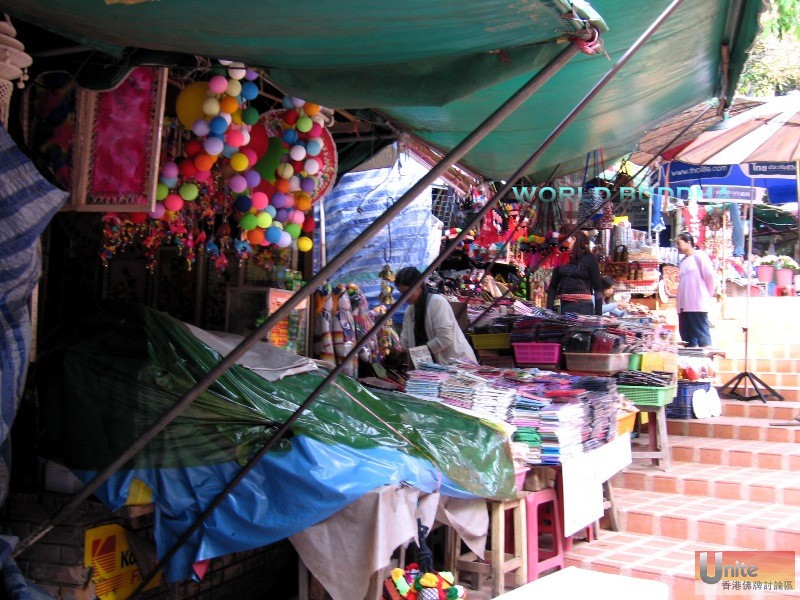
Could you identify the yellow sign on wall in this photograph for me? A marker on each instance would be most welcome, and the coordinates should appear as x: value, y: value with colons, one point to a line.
x: 115, y: 573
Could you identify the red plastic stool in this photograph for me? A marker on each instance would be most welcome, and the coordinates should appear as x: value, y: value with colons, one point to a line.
x: 544, y: 516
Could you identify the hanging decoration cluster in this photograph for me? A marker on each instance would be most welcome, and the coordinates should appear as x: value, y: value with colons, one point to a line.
x: 241, y: 181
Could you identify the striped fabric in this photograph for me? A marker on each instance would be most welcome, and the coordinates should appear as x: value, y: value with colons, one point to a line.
x: 412, y: 238
x: 27, y: 203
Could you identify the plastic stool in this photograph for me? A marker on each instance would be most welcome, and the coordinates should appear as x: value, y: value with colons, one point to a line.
x: 544, y: 516
x: 498, y: 562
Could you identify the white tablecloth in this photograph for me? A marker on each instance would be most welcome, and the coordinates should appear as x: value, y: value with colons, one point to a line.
x: 573, y: 582
x: 343, y: 551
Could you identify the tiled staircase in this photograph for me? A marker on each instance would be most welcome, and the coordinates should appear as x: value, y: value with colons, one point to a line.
x: 735, y: 482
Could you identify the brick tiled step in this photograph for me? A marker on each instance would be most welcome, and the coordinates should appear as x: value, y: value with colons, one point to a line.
x: 785, y: 380
x: 714, y: 481
x: 773, y: 410
x: 747, y: 524
x: 649, y: 557
x: 789, y: 393
x: 737, y: 453
x: 759, y: 365
x: 737, y: 428
x: 734, y: 349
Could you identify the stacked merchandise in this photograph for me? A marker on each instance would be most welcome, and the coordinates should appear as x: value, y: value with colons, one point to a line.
x: 562, y: 428
x: 461, y: 390
x: 526, y: 418
x: 425, y: 383
x: 495, y: 402
x: 602, y: 407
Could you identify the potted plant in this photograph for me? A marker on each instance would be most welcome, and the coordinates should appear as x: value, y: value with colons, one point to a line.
x: 785, y: 268
x: 766, y: 268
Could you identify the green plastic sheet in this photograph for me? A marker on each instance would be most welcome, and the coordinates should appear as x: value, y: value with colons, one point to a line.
x: 107, y: 377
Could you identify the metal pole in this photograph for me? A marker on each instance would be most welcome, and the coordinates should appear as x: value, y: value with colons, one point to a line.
x: 491, y: 122
x: 284, y: 428
x: 323, y: 243
x: 797, y: 185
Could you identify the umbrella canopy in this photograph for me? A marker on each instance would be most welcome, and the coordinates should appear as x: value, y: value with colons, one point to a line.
x: 769, y: 133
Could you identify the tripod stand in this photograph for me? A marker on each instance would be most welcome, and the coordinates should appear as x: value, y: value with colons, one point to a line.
x: 746, y: 377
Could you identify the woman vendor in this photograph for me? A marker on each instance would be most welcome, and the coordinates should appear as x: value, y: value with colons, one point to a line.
x: 429, y: 320
x: 577, y: 284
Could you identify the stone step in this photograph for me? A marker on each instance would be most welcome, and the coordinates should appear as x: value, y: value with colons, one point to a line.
x: 789, y: 393
x: 736, y: 428
x: 742, y: 523
x: 714, y: 481
x: 759, y: 365
x: 736, y: 453
x: 650, y: 557
x: 773, y: 410
x: 734, y: 349
x: 774, y: 380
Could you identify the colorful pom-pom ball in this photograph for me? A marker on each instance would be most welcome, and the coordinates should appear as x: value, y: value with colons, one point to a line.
x: 170, y: 182
x: 202, y: 176
x: 218, y: 84
x: 293, y: 229
x: 284, y: 171
x: 169, y: 169
x: 189, y: 191
x: 308, y: 185
x: 255, y: 236
x: 302, y: 201
x: 309, y: 224
x: 279, y: 200
x: 285, y: 240
x: 297, y: 102
x: 234, y: 88
x: 297, y: 217
x: 271, y: 211
x: 214, y: 146
x: 316, y: 130
x: 211, y: 106
x: 273, y: 234
x: 287, y: 102
x: 234, y: 137
x: 253, y: 178
x: 294, y: 183
x: 250, y: 116
x: 304, y: 124
x: 218, y: 125
x: 228, y: 151
x: 239, y: 162
x: 283, y: 213
x: 297, y: 152
x: 173, y: 202
x: 311, y: 108
x: 193, y: 148
x: 249, y: 90
x: 204, y: 161
x: 250, y: 154
x: 304, y: 244
x: 158, y: 211
x: 248, y: 222
x: 289, y: 137
x: 237, y: 72
x: 297, y: 166
x: 161, y: 191
x: 311, y: 166
x: 282, y: 186
x: 228, y: 105
x: 314, y: 147
x: 243, y: 204
x: 264, y: 219
x: 260, y: 200
x: 200, y: 128
x: 251, y: 75
x: 238, y: 184
x: 290, y: 117
x: 187, y: 167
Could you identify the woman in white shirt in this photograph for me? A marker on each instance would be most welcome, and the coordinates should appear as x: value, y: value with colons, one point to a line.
x: 429, y: 320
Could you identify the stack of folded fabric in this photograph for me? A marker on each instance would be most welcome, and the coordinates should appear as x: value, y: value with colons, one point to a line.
x: 425, y: 383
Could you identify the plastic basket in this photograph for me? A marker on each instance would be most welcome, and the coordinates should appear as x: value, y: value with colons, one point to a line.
x: 537, y: 353
x: 682, y: 407
x: 490, y: 341
x: 635, y: 362
x: 597, y: 363
x: 648, y: 396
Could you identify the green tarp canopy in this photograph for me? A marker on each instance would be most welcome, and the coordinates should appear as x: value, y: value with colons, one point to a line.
x: 439, y: 67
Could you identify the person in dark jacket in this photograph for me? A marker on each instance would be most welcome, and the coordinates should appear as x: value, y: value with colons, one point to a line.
x: 577, y: 284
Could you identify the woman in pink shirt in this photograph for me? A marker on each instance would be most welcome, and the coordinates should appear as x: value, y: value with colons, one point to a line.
x: 695, y: 290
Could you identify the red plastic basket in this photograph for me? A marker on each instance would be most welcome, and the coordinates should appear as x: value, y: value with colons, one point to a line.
x: 537, y: 353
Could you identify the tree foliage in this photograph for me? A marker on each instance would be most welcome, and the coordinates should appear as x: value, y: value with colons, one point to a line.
x: 773, y: 68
